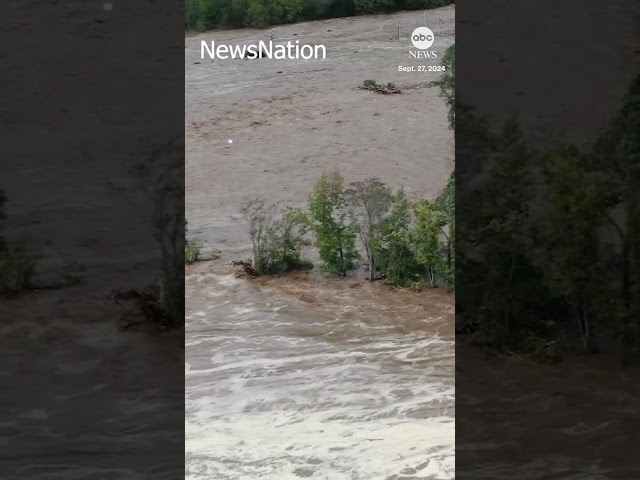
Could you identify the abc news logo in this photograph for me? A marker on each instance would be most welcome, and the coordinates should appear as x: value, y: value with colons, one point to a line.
x: 423, y: 38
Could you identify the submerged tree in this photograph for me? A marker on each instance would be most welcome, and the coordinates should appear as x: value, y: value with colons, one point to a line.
x: 430, y: 220
x: 369, y: 202
x: 277, y: 237
x: 446, y: 203
x: 167, y: 193
x: 335, y: 237
x: 396, y: 256
x: 447, y: 83
x: 571, y: 256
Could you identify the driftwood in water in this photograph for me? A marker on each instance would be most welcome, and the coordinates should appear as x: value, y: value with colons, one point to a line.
x: 244, y: 268
x: 148, y: 303
x: 387, y: 89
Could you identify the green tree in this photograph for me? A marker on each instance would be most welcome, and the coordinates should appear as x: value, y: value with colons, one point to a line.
x: 618, y: 154
x: 575, y: 214
x: 447, y: 83
x: 257, y: 14
x: 293, y: 10
x: 369, y: 202
x: 395, y: 252
x: 446, y: 203
x: 335, y: 237
x: 373, y: 6
x: 494, y: 263
x: 430, y: 221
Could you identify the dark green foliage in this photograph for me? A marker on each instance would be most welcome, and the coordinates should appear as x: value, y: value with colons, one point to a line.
x: 447, y: 83
x: 494, y: 261
x: 204, y: 15
x: 335, y: 237
x: 191, y: 252
x: 369, y: 202
x: 550, y: 239
x: 406, y: 243
x: 430, y: 222
x: 446, y: 203
x: 396, y: 251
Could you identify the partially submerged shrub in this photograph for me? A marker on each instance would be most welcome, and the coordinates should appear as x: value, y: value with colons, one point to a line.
x: 17, y: 268
x: 192, y: 249
x: 191, y: 252
x: 277, y: 237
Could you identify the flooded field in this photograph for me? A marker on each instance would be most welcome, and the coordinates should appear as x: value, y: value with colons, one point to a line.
x: 291, y: 119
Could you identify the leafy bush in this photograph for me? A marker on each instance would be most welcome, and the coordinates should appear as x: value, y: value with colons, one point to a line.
x: 278, y: 237
x: 191, y: 252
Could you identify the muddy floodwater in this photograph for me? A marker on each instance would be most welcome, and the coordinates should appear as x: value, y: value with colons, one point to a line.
x: 309, y: 378
x: 304, y: 377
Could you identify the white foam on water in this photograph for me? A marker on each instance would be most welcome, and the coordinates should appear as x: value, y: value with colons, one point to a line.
x: 276, y: 394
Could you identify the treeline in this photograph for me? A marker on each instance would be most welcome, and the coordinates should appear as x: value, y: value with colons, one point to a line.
x: 549, y: 240
x: 406, y: 243
x: 204, y: 15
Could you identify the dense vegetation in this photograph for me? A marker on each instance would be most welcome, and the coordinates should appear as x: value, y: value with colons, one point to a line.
x: 549, y: 241
x: 407, y: 243
x: 204, y: 15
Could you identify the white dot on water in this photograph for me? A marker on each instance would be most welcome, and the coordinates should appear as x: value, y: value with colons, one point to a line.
x: 108, y: 6
x: 230, y: 141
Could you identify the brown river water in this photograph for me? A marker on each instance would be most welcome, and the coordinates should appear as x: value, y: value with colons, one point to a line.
x: 322, y: 379
x: 303, y: 377
x: 576, y: 420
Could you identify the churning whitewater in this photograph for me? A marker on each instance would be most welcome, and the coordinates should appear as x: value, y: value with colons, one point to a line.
x: 335, y: 380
